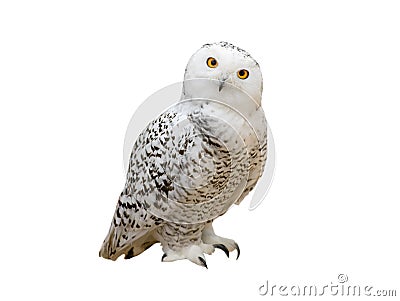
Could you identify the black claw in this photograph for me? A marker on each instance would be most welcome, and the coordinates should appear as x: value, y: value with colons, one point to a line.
x: 238, y: 251
x: 203, y: 262
x: 164, y: 255
x: 223, y: 248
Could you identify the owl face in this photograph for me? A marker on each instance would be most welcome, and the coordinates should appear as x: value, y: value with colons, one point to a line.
x: 229, y: 67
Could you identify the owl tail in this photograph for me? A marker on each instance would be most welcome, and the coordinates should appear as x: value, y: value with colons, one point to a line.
x: 108, y: 249
x: 112, y: 248
x: 123, y: 239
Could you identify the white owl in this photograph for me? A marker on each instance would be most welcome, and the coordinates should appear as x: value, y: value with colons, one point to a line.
x: 194, y: 161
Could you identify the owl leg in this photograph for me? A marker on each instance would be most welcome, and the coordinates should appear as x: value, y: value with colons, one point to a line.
x: 227, y: 245
x: 183, y: 242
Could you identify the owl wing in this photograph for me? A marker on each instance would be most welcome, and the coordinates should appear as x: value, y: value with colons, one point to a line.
x: 181, y: 167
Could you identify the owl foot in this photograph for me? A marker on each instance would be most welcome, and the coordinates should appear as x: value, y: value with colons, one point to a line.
x: 224, y: 244
x: 194, y: 253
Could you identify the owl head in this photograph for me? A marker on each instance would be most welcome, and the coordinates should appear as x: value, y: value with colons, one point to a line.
x: 229, y: 70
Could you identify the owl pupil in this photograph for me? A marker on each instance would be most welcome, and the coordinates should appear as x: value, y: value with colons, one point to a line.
x: 213, y: 62
x: 241, y: 72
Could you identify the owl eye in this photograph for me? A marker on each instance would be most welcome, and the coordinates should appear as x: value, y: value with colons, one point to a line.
x: 243, y: 74
x: 212, y: 62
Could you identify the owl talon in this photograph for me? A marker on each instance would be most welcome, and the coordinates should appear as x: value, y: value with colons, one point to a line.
x: 203, y: 262
x: 223, y: 248
x: 238, y: 250
x: 164, y: 255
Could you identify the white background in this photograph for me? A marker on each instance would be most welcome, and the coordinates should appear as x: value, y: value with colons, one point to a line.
x: 73, y: 72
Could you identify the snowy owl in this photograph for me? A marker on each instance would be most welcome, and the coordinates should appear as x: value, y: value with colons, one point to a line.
x: 195, y: 160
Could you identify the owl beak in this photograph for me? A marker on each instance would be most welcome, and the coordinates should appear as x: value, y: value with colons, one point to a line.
x: 221, y: 85
x: 222, y: 81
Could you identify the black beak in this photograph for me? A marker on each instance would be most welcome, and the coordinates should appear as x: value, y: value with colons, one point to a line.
x: 221, y: 85
x: 222, y: 81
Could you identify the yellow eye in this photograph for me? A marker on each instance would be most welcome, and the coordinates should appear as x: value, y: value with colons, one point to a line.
x: 243, y: 74
x: 212, y: 62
